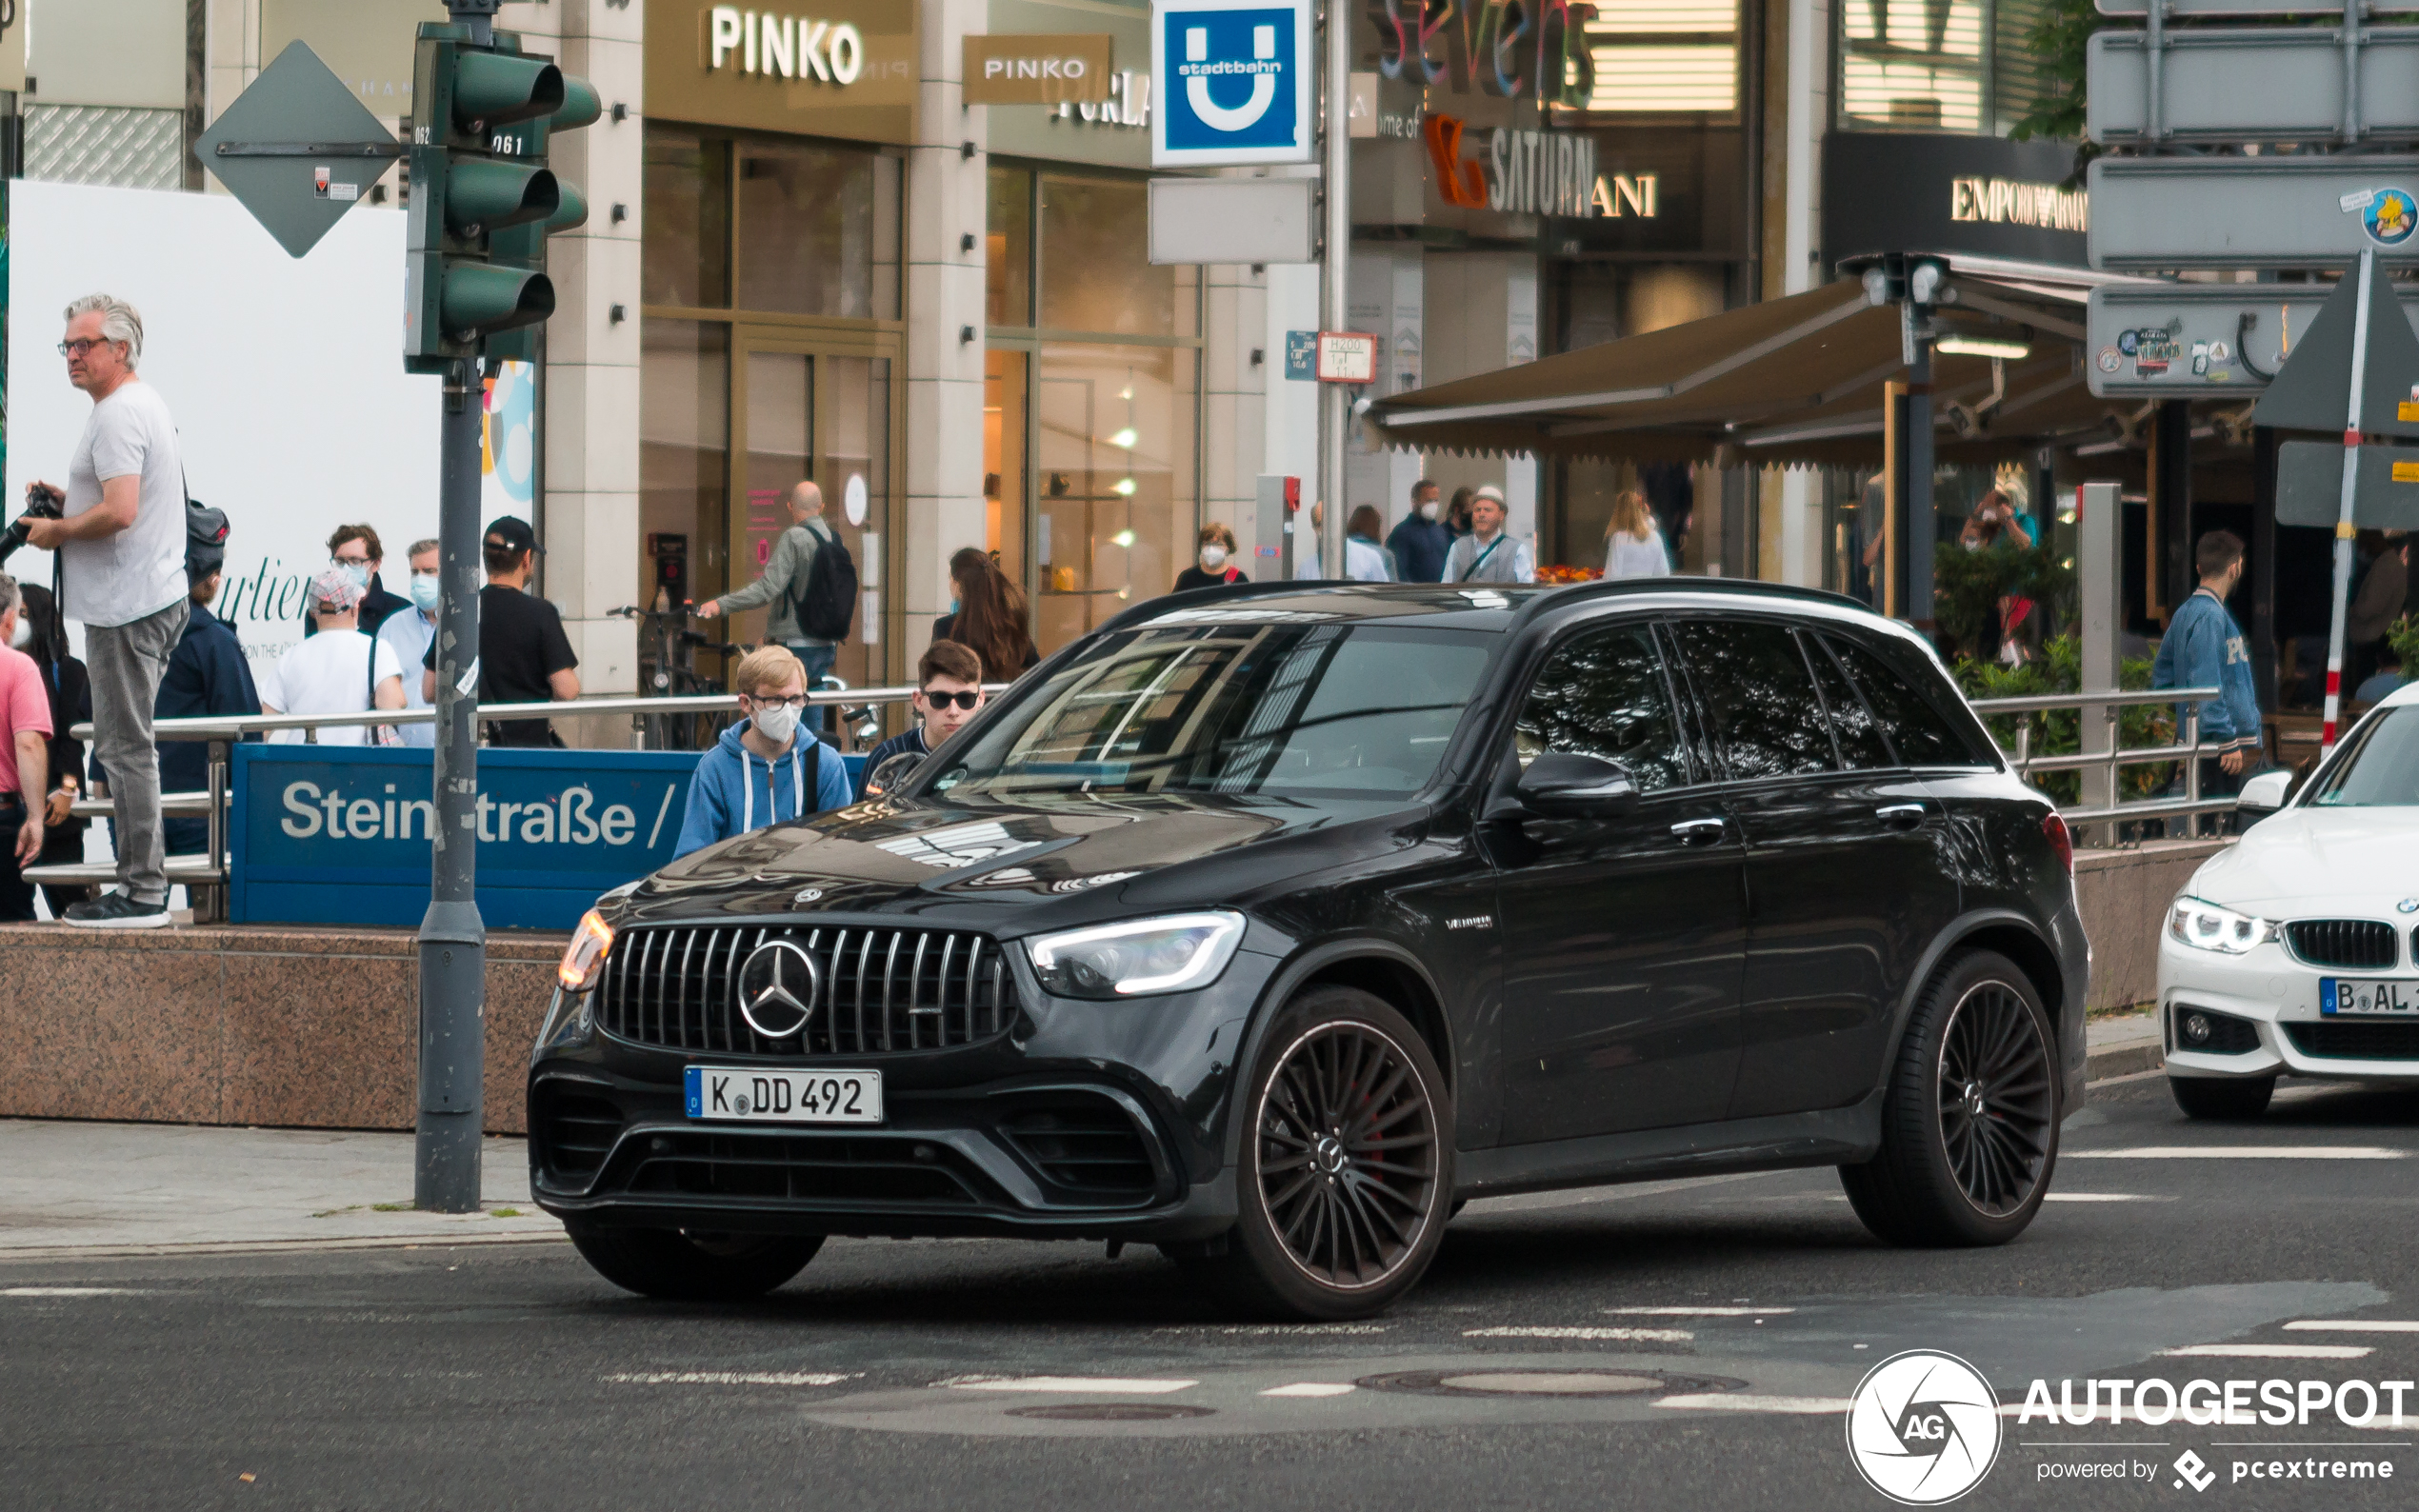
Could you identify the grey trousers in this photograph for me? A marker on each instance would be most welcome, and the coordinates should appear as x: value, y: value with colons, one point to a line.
x: 127, y: 663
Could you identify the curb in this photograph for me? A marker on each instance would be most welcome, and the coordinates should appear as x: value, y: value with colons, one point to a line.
x: 2113, y: 1061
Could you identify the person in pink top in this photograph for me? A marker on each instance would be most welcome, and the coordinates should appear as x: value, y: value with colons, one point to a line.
x: 24, y: 720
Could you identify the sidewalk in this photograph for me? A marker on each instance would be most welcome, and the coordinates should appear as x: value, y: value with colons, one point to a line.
x: 76, y: 1189
x: 2123, y: 1045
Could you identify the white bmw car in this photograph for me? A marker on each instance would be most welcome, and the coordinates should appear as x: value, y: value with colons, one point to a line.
x: 2295, y: 952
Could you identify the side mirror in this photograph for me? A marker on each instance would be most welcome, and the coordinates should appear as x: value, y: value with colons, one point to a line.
x: 1564, y: 782
x: 2265, y: 793
x: 893, y: 770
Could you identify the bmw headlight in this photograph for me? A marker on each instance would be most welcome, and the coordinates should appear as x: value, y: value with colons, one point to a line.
x: 2207, y: 927
x: 1173, y: 953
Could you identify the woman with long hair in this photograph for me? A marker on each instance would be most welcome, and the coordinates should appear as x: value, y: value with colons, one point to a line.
x: 989, y: 617
x: 1634, y: 548
x: 1457, y: 511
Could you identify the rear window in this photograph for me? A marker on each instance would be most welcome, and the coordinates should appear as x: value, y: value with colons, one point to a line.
x: 1758, y: 697
x: 1893, y: 679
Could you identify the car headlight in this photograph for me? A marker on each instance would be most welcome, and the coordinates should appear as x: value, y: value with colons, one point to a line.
x: 1169, y: 954
x: 584, y: 958
x: 2207, y: 927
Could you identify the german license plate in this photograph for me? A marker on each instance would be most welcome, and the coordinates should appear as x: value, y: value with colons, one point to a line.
x: 2351, y: 995
x: 725, y: 1094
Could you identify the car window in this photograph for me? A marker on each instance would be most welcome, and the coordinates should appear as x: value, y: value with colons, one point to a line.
x: 1604, y: 693
x: 2380, y: 765
x: 1758, y: 697
x: 1234, y: 708
x: 1862, y: 747
x: 1921, y: 734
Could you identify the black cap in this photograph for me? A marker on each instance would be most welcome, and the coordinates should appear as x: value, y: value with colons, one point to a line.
x: 512, y: 534
x: 205, y: 540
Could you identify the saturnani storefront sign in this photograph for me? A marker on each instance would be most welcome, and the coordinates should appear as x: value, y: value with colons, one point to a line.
x: 1533, y: 173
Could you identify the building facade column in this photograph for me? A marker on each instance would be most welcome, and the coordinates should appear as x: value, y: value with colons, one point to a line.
x: 945, y: 227
x: 1236, y: 382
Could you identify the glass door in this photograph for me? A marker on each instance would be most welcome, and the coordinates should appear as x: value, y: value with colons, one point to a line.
x: 814, y: 412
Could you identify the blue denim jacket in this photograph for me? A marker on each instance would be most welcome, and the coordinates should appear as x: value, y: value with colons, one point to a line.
x: 2203, y: 648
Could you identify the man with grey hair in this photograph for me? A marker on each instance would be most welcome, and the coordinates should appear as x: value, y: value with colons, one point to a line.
x: 120, y: 546
x: 25, y: 773
x: 783, y: 581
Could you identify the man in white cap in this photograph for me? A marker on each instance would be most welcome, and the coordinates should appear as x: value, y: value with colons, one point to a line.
x: 335, y: 671
x: 1487, y: 554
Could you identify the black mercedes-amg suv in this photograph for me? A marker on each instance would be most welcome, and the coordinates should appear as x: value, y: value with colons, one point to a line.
x: 1268, y: 923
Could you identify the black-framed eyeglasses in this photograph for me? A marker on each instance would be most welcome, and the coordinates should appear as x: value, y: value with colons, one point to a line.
x: 82, y: 344
x: 798, y: 702
x: 938, y: 701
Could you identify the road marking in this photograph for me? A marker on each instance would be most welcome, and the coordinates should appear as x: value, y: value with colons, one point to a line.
x: 1272, y: 1329
x: 735, y: 1378
x: 2353, y: 1325
x: 1657, y: 1336
x: 1696, y: 1312
x: 2100, y: 1197
x: 2272, y: 1351
x: 1070, y: 1384
x: 1310, y: 1388
x: 2241, y: 1152
x: 69, y: 1291
x: 1731, y: 1402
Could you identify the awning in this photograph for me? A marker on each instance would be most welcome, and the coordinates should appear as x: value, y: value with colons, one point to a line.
x: 1797, y: 380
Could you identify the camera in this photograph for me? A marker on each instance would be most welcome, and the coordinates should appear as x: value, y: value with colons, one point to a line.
x: 42, y: 501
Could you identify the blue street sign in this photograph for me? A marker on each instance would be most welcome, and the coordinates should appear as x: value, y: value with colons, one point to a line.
x: 1302, y: 355
x: 1235, y: 81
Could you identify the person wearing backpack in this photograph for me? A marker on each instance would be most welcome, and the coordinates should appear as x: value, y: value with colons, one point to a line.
x: 765, y: 769
x: 809, y: 585
x: 338, y: 672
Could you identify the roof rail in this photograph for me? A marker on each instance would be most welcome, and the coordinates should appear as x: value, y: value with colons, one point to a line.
x: 1538, y: 603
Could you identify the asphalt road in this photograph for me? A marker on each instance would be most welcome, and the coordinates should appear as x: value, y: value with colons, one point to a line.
x: 1680, y: 1346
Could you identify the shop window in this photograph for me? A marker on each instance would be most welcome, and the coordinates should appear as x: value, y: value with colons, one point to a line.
x: 1096, y: 269
x: 1009, y: 260
x: 1114, y: 439
x: 1666, y: 57
x: 818, y: 231
x: 1925, y: 65
x: 1004, y: 492
x: 684, y: 458
x: 685, y: 256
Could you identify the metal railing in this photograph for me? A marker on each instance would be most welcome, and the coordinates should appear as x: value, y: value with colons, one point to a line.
x: 2115, y: 756
x: 208, y: 870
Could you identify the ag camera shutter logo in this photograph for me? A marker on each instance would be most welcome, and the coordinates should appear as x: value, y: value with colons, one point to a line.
x: 1924, y: 1428
x: 1234, y: 81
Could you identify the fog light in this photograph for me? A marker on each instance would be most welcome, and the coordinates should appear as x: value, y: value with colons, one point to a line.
x: 2195, y: 1028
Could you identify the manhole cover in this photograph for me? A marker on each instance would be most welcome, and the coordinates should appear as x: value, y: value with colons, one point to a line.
x: 1109, y: 1412
x: 1545, y: 1383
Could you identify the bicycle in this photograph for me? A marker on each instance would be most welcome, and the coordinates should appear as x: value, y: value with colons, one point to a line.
x: 670, y: 670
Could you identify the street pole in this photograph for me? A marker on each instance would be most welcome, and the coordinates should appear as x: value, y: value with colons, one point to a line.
x: 444, y: 1172
x: 2344, y: 528
x: 1335, y: 189
x: 1923, y: 525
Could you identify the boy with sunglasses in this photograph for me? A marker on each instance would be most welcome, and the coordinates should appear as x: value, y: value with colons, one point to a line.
x: 949, y: 689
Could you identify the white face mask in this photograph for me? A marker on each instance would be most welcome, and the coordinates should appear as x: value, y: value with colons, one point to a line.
x: 23, y: 635
x: 1213, y: 557
x: 776, y: 723
x: 1428, y: 510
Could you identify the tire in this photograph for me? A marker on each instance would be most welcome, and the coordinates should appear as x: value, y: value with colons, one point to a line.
x: 676, y: 1264
x: 2222, y: 1098
x: 1336, y: 1222
x: 1969, y: 1121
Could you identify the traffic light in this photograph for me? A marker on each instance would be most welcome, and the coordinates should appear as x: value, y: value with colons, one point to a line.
x: 483, y: 199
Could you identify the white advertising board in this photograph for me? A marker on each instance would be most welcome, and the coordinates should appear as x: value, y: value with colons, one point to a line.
x: 285, y: 376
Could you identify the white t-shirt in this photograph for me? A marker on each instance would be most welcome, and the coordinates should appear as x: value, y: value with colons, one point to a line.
x: 140, y: 570
x: 1626, y: 556
x: 328, y: 674
x: 407, y: 633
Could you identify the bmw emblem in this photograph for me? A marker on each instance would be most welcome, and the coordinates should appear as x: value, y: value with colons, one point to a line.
x: 2407, y: 905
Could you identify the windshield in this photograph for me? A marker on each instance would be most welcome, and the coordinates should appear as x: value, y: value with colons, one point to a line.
x: 1235, y: 708
x: 2380, y: 765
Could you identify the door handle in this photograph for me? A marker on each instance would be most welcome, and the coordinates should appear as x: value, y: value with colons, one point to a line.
x: 1900, y: 816
x: 1699, y: 831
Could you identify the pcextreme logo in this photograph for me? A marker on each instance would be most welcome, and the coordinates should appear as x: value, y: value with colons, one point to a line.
x: 1923, y: 1427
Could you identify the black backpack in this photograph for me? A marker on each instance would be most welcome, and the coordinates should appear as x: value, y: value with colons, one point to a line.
x: 824, y: 604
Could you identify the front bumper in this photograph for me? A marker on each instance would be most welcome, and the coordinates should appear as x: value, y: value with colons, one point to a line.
x: 2275, y: 999
x: 1083, y: 1119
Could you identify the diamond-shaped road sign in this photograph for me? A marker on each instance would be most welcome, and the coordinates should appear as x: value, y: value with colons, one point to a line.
x: 2313, y: 390
x: 298, y: 149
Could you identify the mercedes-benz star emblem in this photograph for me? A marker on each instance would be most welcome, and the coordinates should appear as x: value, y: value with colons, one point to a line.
x: 778, y: 983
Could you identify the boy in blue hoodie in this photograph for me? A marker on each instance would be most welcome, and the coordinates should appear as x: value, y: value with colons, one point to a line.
x: 765, y: 767
x: 2203, y: 648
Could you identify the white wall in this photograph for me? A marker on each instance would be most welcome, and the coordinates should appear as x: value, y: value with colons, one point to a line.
x: 285, y: 376
x: 105, y: 52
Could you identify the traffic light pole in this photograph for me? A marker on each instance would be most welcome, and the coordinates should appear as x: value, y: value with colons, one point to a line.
x: 444, y: 1173
x: 453, y: 936
x: 1335, y: 189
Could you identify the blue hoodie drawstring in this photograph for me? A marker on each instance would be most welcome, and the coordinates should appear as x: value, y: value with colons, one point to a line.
x: 747, y: 787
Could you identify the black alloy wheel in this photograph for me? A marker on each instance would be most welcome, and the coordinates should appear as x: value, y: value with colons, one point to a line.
x: 1970, y: 1117
x: 678, y: 1265
x: 1995, y: 1101
x: 1347, y: 1172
